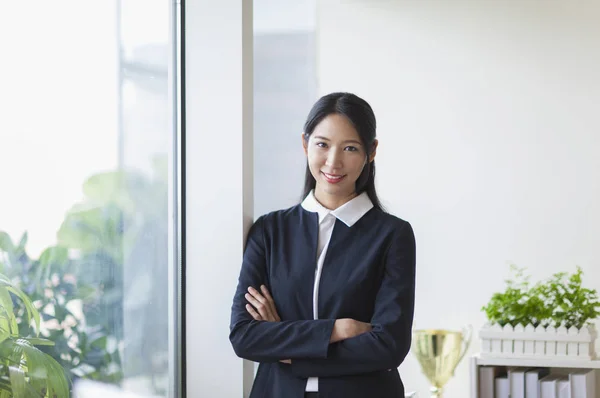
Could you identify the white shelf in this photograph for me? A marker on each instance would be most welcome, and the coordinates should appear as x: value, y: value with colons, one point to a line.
x: 549, y: 363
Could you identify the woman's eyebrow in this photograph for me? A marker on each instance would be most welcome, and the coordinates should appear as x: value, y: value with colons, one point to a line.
x: 353, y: 142
x: 320, y: 137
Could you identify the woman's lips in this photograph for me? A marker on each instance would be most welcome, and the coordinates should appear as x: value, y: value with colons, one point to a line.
x: 333, y: 178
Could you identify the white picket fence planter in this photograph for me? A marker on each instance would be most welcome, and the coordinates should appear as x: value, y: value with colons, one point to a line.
x: 532, y: 343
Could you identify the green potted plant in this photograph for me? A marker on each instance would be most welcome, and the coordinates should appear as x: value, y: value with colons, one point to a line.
x: 549, y: 318
x: 80, y: 345
x: 25, y: 371
x: 558, y: 301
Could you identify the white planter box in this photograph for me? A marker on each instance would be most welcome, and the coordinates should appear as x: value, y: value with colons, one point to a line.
x: 530, y: 342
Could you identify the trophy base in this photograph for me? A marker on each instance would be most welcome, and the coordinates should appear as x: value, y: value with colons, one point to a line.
x: 436, y: 392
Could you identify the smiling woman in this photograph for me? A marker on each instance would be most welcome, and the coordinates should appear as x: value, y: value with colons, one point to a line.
x: 338, y: 136
x: 325, y: 296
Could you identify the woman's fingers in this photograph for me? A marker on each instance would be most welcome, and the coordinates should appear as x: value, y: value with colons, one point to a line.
x: 260, y: 307
x: 253, y: 312
x: 257, y: 295
x: 271, y: 302
x: 266, y: 293
x: 263, y: 303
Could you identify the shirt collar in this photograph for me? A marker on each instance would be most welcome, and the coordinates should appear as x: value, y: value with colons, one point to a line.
x: 348, y: 213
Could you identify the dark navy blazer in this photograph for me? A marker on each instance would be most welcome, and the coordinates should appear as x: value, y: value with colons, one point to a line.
x: 368, y: 275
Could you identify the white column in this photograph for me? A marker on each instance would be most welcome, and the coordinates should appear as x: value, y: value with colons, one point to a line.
x: 218, y: 81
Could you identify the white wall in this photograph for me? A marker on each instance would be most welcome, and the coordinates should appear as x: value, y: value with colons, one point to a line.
x: 283, y: 16
x: 219, y: 171
x: 489, y: 139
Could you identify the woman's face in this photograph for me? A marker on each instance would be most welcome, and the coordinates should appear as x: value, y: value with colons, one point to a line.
x: 336, y: 156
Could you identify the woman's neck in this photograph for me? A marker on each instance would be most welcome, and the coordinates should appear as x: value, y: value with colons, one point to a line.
x: 332, y: 202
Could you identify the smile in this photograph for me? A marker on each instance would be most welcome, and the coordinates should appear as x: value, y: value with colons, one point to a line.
x: 332, y: 178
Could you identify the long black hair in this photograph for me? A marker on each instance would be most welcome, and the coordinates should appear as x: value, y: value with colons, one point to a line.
x: 362, y: 117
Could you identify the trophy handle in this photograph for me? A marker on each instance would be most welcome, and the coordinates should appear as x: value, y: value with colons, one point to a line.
x: 467, y: 333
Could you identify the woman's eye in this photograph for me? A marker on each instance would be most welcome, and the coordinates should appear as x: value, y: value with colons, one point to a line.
x: 321, y: 145
x: 351, y: 148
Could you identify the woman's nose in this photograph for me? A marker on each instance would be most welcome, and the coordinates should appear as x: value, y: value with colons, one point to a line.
x: 334, y: 159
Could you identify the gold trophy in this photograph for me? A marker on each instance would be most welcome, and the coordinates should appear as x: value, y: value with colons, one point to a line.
x: 439, y: 352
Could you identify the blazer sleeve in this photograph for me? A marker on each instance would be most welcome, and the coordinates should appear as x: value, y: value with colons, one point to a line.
x: 386, y: 346
x: 262, y: 341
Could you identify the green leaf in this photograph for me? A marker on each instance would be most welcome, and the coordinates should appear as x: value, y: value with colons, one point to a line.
x: 32, y: 372
x: 6, y: 244
x: 37, y: 341
x: 5, y: 388
x: 86, y: 292
x: 8, y: 322
x: 94, y: 229
x: 23, y: 241
x: 55, y: 255
x: 7, y: 317
x: 100, y: 342
x: 105, y: 187
x: 17, y: 382
x: 44, y: 372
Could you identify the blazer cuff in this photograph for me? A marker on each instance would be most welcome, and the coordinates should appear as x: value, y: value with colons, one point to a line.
x: 323, y: 332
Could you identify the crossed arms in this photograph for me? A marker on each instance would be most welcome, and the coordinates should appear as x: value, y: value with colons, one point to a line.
x: 326, y: 347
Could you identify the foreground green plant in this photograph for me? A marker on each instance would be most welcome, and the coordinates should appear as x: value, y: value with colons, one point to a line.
x: 82, y: 347
x: 25, y: 371
x: 559, y: 301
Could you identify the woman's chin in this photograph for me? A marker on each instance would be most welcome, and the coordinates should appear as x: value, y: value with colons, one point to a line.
x: 336, y: 190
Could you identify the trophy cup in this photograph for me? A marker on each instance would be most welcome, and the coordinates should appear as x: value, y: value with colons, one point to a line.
x: 438, y: 353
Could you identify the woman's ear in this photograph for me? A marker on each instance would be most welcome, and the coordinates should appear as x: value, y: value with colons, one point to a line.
x: 373, y: 151
x: 304, y: 143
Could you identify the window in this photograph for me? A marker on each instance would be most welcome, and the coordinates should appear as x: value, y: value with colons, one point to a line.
x: 86, y: 139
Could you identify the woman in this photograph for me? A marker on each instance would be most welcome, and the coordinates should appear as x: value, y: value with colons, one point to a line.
x: 326, y: 291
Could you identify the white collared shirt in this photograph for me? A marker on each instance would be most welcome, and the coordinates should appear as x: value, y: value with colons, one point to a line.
x: 348, y: 213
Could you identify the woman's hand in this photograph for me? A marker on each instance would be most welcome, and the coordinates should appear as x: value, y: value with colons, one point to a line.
x: 262, y: 306
x: 347, y: 328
